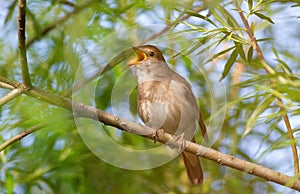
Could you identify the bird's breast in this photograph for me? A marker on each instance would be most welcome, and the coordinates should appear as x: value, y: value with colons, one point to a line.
x: 159, y: 106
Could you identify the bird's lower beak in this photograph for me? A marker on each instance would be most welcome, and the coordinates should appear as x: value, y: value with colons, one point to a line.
x: 140, y: 56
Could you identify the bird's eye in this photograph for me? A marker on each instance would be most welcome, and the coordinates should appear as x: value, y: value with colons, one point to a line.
x: 152, y: 54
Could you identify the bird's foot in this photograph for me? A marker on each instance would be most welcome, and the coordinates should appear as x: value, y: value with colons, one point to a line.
x: 155, y: 135
x: 180, y: 140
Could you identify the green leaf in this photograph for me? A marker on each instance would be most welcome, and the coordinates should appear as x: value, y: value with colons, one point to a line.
x: 264, y: 17
x: 230, y: 61
x: 225, y: 14
x: 9, y: 182
x: 250, y: 4
x: 229, y: 21
x: 201, y: 17
x: 250, y: 54
x: 238, y: 39
x: 284, y: 66
x: 264, y: 39
x: 254, y: 116
x: 220, y: 53
x: 201, y: 41
x: 252, y: 26
x: 11, y: 9
x: 242, y: 53
x: 297, y: 5
x: 223, y: 38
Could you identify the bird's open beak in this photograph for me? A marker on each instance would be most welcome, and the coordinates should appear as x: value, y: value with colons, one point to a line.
x: 140, y: 56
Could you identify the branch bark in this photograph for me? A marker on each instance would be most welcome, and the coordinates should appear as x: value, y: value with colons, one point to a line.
x: 19, y: 136
x: 21, y: 43
x: 11, y: 95
x: 6, y: 86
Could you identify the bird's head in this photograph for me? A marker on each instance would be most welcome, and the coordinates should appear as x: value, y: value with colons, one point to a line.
x: 146, y: 53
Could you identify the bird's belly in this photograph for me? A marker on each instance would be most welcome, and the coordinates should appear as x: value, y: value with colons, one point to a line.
x: 160, y: 115
x: 158, y: 106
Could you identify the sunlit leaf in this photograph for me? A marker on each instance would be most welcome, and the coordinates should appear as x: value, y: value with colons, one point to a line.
x: 230, y: 61
x: 201, y: 17
x: 252, y: 26
x: 242, y: 53
x: 250, y: 4
x: 250, y: 54
x: 284, y: 66
x: 264, y: 17
x: 11, y: 9
x: 220, y: 53
x: 264, y: 39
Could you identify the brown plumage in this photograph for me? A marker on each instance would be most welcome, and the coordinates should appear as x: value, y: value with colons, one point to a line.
x: 166, y: 100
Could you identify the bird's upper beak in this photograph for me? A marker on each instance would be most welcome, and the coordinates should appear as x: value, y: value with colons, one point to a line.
x: 140, y: 56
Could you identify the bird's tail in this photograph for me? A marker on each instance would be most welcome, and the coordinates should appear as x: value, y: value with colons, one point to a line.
x: 193, y: 167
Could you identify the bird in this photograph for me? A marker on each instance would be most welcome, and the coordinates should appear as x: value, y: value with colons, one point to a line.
x: 165, y: 101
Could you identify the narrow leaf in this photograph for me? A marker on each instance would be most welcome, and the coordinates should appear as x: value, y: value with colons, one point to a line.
x: 264, y: 39
x: 220, y: 53
x: 250, y: 5
x: 284, y: 66
x: 201, y: 17
x: 11, y: 9
x: 250, y: 54
x: 242, y: 53
x: 264, y: 17
x: 225, y: 14
x: 223, y: 38
x: 254, y: 116
x: 252, y: 27
x: 230, y: 61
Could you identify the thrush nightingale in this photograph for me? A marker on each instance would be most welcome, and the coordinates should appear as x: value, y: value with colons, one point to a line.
x: 166, y: 101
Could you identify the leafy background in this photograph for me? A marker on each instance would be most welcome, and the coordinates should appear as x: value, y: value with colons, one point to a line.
x: 60, y: 34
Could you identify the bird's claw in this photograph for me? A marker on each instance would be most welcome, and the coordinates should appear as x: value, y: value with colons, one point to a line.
x: 155, y: 135
x: 181, y: 141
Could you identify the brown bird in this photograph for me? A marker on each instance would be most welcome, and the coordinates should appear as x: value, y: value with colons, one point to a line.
x: 166, y: 101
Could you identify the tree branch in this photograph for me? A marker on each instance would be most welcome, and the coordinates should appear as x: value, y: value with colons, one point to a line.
x: 11, y: 95
x: 13, y: 84
x: 21, y: 43
x: 6, y: 86
x: 269, y: 70
x: 82, y: 110
x: 20, y: 136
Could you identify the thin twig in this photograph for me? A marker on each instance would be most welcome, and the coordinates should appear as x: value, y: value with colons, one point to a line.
x: 271, y: 71
x: 6, y: 86
x: 13, y: 84
x: 254, y: 43
x: 11, y: 95
x: 21, y: 43
x: 292, y: 138
x: 19, y: 136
